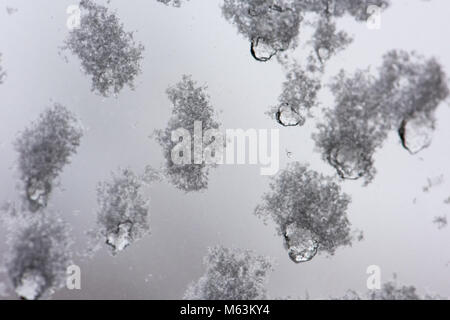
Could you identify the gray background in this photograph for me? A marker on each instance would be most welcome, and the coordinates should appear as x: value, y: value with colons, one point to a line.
x: 399, y: 235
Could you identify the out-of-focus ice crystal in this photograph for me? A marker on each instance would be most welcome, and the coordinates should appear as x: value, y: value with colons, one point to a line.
x: 31, y: 285
x: 391, y: 291
x: 173, y: 3
x: 11, y: 10
x: 440, y: 221
x: 2, y: 73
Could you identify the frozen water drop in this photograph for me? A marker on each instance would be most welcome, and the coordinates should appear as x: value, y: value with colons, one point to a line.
x: 261, y: 50
x: 120, y: 238
x: 348, y: 163
x: 288, y: 117
x: 416, y: 133
x: 31, y: 285
x: 323, y: 53
x: 300, y: 243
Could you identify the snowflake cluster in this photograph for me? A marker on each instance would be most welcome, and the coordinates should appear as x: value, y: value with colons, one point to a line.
x: 190, y: 104
x: 298, y: 96
x: 123, y: 212
x: 39, y: 255
x: 44, y: 149
x: 403, y: 97
x: 273, y: 26
x: 231, y: 274
x: 310, y: 212
x: 108, y: 54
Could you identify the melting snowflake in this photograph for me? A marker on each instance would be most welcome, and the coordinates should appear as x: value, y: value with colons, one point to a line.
x: 44, y: 149
x: 39, y: 255
x: 310, y: 212
x: 123, y: 210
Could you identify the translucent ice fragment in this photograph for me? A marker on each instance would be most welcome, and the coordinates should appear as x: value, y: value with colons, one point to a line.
x: 440, y: 221
x: 348, y: 162
x: 300, y: 243
x: 120, y: 238
x: 323, y: 53
x: 288, y: 117
x: 416, y: 133
x: 31, y: 285
x: 261, y: 50
x: 38, y: 192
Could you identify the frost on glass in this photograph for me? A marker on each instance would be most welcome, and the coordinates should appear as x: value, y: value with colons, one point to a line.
x: 391, y: 291
x: 190, y: 104
x: 309, y: 210
x: 2, y: 73
x: 173, y: 3
x: 39, y: 254
x: 403, y: 97
x: 298, y: 97
x: 273, y: 26
x: 231, y: 274
x: 108, y: 53
x: 44, y: 148
x: 123, y: 213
